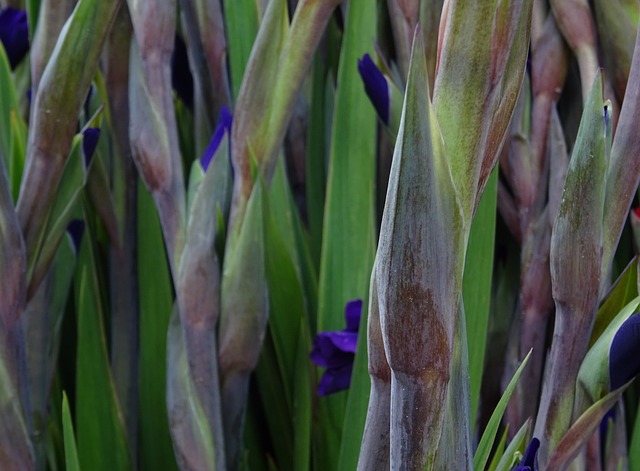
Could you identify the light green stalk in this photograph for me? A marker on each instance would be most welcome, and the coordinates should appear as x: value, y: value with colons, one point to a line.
x: 153, y: 128
x: 62, y: 91
x: 52, y: 17
x: 123, y: 254
x: 418, y: 277
x: 279, y: 62
x: 576, y: 251
x: 623, y: 173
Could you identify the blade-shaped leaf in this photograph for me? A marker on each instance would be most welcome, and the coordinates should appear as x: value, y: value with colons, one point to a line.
x: 486, y: 442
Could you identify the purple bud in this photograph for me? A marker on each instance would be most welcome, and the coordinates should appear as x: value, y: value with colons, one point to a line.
x: 224, y: 125
x: 376, y: 87
x: 181, y: 77
x: 90, y: 138
x: 28, y: 95
x: 624, y: 354
x: 529, y: 461
x: 75, y: 229
x: 14, y: 34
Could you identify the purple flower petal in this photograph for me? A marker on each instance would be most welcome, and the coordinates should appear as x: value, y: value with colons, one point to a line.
x: 181, y: 77
x: 90, y: 138
x: 14, y: 34
x: 376, y: 86
x: 335, y: 379
x: 352, y: 313
x: 624, y: 354
x: 325, y: 353
x: 529, y: 461
x: 343, y: 340
x: 224, y: 125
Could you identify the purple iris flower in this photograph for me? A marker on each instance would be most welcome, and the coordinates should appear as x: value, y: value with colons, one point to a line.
x: 376, y: 87
x: 529, y: 461
x: 14, y: 34
x: 336, y: 350
x: 624, y: 354
x: 224, y: 125
x: 90, y: 138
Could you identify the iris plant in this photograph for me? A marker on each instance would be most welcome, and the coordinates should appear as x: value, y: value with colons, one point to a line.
x: 199, y: 304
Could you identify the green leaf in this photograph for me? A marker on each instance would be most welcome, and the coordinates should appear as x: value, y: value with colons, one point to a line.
x: 476, y: 286
x: 499, y: 450
x: 348, y: 238
x: 57, y: 102
x: 241, y: 21
x: 302, y: 407
x: 486, y: 442
x: 593, y: 376
x: 156, y: 300
x: 357, y: 401
x: 572, y: 441
x: 99, y: 422
x: 621, y: 293
x: 8, y: 104
x: 514, y: 452
x: 70, y: 451
x: 317, y: 144
x: 634, y: 446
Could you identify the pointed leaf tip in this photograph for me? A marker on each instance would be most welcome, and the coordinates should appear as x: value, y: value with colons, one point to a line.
x: 375, y: 86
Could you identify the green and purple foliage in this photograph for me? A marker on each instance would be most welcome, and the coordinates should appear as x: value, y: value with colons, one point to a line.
x: 319, y: 235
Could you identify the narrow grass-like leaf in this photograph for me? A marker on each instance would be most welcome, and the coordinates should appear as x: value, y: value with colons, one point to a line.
x: 156, y: 300
x: 70, y: 451
x: 316, y: 151
x: 302, y: 411
x: 8, y: 103
x: 356, y: 410
x: 63, y: 88
x: 634, y: 446
x: 513, y: 453
x: 241, y: 20
x: 486, y: 442
x: 99, y: 422
x: 498, y: 450
x: 348, y: 240
x: 581, y: 431
x: 476, y: 286
x: 594, y: 376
